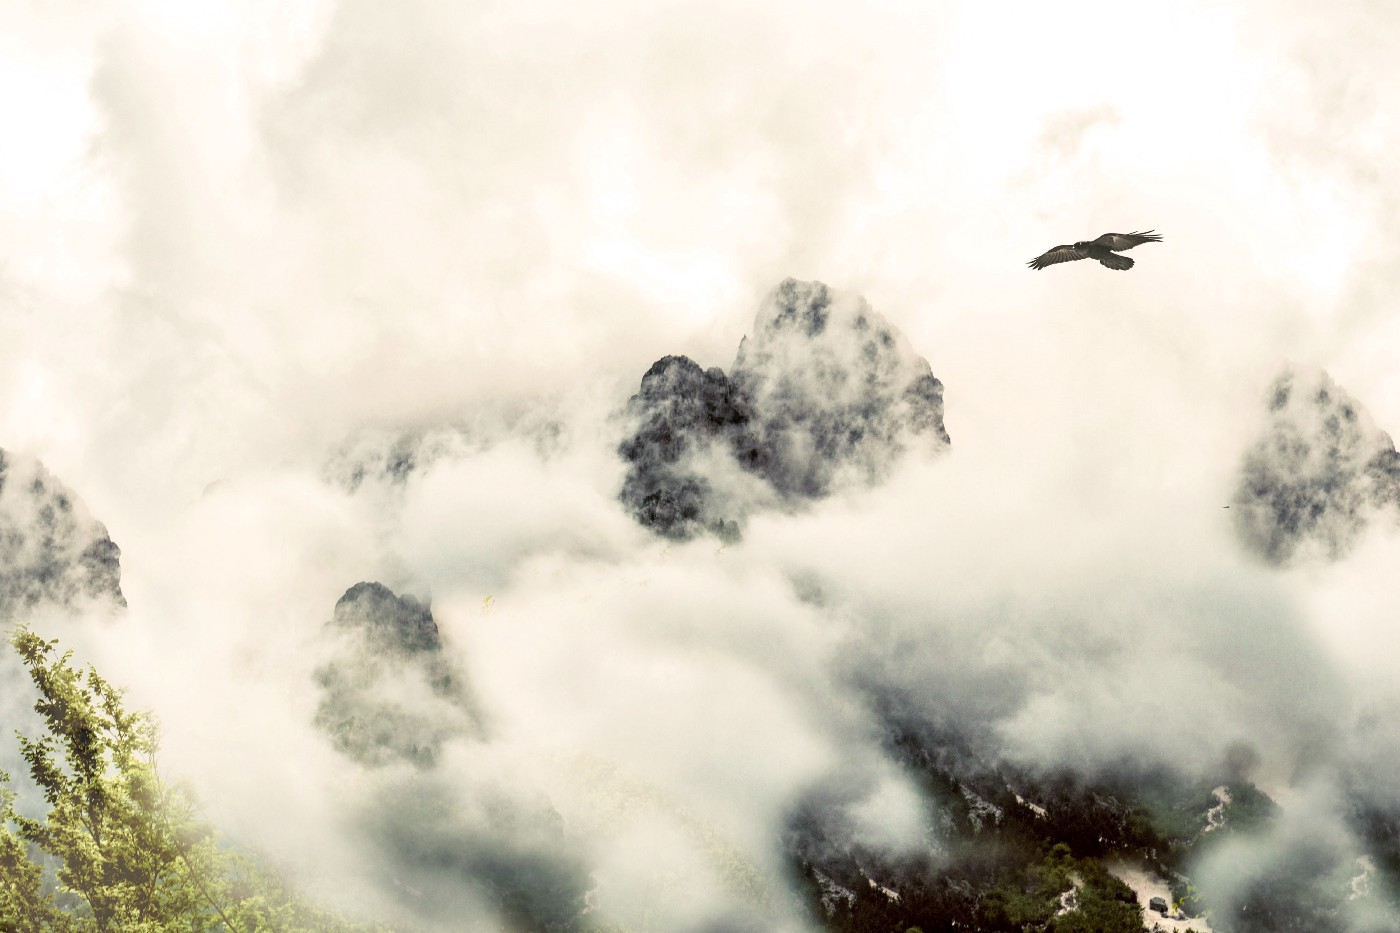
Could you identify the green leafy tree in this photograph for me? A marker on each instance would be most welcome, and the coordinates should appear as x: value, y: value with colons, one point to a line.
x: 119, y: 850
x: 20, y: 878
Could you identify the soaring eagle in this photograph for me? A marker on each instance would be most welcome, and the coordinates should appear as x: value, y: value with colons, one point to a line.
x: 1102, y: 249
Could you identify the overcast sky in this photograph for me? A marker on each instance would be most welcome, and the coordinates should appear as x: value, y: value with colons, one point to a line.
x: 243, y: 242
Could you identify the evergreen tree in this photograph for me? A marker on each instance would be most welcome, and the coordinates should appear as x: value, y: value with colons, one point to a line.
x: 119, y: 851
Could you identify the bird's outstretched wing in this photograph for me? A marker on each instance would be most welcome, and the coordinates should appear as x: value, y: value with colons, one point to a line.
x: 1058, y: 254
x: 1121, y: 241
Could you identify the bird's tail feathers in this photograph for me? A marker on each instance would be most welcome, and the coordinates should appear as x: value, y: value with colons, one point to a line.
x: 1114, y: 261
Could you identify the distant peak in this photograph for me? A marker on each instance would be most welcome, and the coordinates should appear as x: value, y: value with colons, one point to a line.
x: 1317, y: 473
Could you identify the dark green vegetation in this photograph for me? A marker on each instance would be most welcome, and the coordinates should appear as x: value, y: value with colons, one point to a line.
x: 1057, y: 893
x: 120, y: 850
x: 1027, y: 852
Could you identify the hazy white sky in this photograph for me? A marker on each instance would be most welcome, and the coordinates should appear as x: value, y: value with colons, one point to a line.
x: 238, y: 240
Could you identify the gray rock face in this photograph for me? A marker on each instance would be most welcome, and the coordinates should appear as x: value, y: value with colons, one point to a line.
x: 839, y: 392
x: 51, y: 549
x: 396, y: 624
x: 684, y: 414
x: 390, y: 693
x: 1317, y: 475
x: 825, y: 395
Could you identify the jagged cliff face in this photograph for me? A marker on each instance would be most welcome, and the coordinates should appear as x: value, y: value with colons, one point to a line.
x: 824, y: 395
x: 52, y: 551
x: 390, y: 694
x: 1317, y: 475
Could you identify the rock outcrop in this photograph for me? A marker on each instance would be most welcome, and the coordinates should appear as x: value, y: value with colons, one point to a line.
x: 824, y: 395
x: 1319, y: 473
x: 390, y: 693
x: 51, y: 549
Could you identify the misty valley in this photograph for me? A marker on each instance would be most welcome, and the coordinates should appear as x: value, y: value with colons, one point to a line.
x: 691, y: 661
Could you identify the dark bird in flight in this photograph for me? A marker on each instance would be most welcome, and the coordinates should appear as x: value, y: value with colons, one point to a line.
x: 1103, y: 249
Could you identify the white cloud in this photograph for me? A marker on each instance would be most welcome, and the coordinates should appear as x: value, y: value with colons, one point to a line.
x: 237, y: 237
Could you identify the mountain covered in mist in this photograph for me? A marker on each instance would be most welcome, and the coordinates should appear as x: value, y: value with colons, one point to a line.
x: 824, y: 395
x: 52, y: 551
x: 390, y: 696
x: 389, y: 693
x: 1318, y: 474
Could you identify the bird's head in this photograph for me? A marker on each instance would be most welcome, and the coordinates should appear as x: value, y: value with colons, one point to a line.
x: 1082, y: 244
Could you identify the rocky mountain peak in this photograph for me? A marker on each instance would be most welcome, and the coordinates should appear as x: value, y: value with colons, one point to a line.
x: 1318, y: 473
x: 51, y: 548
x: 395, y: 623
x: 825, y: 394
